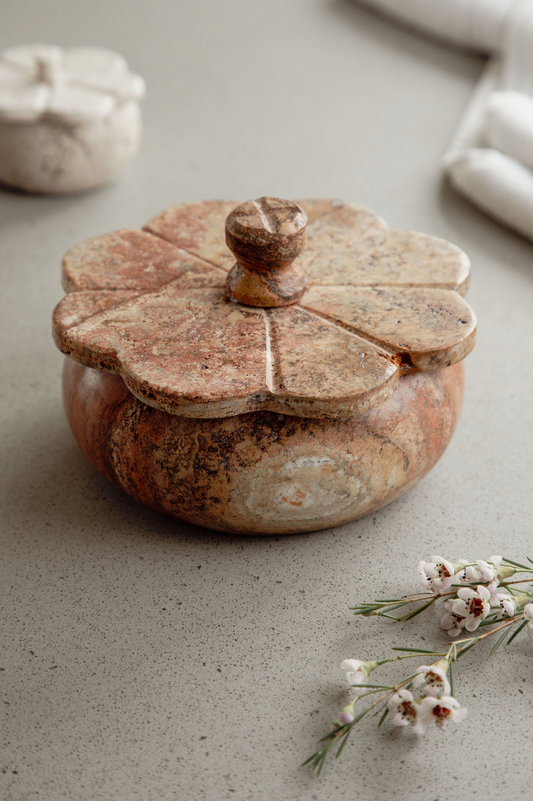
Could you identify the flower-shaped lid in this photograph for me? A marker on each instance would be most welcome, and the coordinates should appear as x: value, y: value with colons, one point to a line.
x: 319, y: 331
x: 76, y: 85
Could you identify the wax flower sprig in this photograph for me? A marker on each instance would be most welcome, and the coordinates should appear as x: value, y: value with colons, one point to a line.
x: 481, y: 594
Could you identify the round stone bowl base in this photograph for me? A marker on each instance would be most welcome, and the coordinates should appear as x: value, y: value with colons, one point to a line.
x: 51, y: 157
x: 262, y: 472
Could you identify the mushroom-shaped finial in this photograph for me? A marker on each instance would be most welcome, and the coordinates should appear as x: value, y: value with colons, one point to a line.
x: 265, y: 236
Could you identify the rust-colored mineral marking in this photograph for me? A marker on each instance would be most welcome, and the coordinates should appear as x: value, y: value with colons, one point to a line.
x: 266, y: 235
x: 263, y: 473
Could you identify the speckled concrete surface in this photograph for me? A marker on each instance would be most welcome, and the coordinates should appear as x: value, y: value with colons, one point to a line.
x: 146, y: 659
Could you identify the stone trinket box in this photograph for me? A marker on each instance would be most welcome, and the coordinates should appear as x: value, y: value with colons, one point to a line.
x: 225, y: 371
x: 69, y: 118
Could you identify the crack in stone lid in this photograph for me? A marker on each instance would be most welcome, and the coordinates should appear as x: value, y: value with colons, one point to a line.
x: 159, y: 306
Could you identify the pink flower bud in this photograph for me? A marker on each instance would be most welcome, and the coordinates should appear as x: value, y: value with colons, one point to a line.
x: 345, y: 717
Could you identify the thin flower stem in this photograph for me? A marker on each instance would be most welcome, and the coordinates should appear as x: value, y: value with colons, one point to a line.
x: 409, y: 656
x: 523, y: 568
x: 372, y: 687
x: 417, y: 651
x: 518, y: 630
x: 399, y: 686
x: 417, y: 611
x: 505, y: 625
x: 377, y: 687
x: 375, y: 609
x: 406, y: 681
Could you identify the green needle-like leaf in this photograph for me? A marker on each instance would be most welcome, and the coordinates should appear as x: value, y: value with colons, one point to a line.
x: 374, y: 686
x: 517, y: 564
x: 451, y: 678
x: 320, y: 763
x: 375, y: 607
x: 466, y: 648
x: 416, y: 612
x: 392, y: 600
x: 382, y: 718
x: 344, y: 740
x: 359, y: 716
x: 489, y: 621
x: 499, y: 641
x: 519, y: 629
x: 418, y: 651
x: 331, y: 734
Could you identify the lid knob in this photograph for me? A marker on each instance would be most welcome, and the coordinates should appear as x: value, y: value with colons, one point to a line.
x: 265, y: 236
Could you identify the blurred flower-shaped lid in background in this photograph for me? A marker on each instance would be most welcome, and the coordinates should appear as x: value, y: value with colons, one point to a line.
x: 75, y: 85
x: 319, y: 331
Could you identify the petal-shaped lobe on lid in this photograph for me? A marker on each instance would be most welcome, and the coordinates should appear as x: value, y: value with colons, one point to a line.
x: 75, y: 86
x: 198, y: 228
x: 429, y: 328
x: 392, y: 258
x: 337, y: 231
x: 27, y: 56
x: 179, y: 349
x: 78, y: 104
x: 131, y: 259
x: 103, y: 70
x: 21, y: 99
x: 317, y: 364
x: 79, y: 306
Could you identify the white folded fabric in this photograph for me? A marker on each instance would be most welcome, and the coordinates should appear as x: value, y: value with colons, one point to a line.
x: 476, y: 24
x: 509, y: 125
x: 498, y: 184
x: 490, y: 157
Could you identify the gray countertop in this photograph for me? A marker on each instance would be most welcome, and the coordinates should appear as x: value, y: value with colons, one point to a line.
x: 143, y: 658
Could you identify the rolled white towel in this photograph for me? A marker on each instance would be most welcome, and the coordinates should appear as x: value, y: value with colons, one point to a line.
x: 517, y: 47
x: 498, y: 184
x: 490, y: 157
x: 475, y: 24
x: 509, y: 125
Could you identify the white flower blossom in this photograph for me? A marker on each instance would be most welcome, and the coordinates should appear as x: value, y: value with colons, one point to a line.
x: 432, y: 681
x: 357, y: 671
x: 435, y: 576
x: 404, y: 708
x: 439, y: 711
x: 504, y: 603
x: 528, y: 615
x: 491, y: 570
x: 473, y: 605
x: 451, y: 622
x: 470, y: 574
x: 494, y: 572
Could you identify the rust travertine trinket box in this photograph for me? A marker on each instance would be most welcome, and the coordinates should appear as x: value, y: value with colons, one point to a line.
x: 223, y: 370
